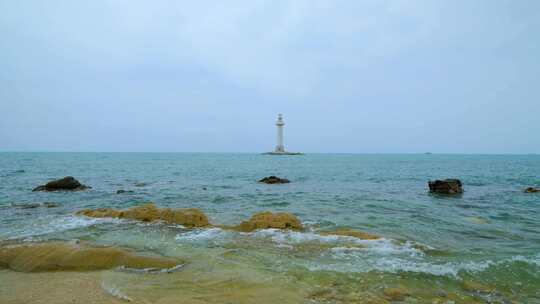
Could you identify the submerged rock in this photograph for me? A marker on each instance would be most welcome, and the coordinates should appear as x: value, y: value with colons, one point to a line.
x: 447, y: 186
x: 474, y: 286
x: 66, y: 183
x: 123, y: 191
x: 58, y: 256
x: 531, y: 190
x: 34, y: 205
x: 265, y: 220
x: 354, y: 233
x: 274, y: 180
x: 395, y: 293
x: 189, y: 217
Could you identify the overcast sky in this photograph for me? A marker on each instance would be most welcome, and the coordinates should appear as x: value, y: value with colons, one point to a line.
x: 211, y: 76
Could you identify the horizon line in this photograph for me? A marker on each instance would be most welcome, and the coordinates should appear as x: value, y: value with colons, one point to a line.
x: 244, y: 152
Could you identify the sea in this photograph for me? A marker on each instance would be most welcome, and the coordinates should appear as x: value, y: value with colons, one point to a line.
x: 479, y: 247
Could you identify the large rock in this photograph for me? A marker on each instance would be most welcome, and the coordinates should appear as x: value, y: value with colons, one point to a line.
x: 59, y: 256
x: 265, y: 220
x: 189, y: 217
x: 447, y: 186
x: 66, y: 183
x: 274, y: 180
x: 531, y: 190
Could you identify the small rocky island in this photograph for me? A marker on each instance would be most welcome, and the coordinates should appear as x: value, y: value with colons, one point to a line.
x: 68, y: 183
x: 447, y: 186
x: 274, y: 180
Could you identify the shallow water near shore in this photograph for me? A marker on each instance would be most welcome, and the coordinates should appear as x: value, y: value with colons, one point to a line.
x: 479, y: 247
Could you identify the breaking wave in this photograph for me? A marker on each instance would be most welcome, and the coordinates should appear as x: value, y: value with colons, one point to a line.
x: 55, y: 225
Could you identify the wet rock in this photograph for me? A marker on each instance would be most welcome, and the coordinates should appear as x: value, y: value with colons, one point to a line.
x: 274, y: 180
x: 447, y: 186
x: 265, y: 220
x: 123, y: 191
x: 531, y: 190
x: 354, y: 233
x: 189, y: 217
x: 68, y: 183
x: 395, y: 293
x: 58, y: 256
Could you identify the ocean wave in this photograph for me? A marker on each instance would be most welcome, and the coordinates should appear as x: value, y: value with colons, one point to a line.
x: 47, y: 226
x: 350, y: 260
x: 382, y: 246
x: 202, y: 235
x: 397, y: 265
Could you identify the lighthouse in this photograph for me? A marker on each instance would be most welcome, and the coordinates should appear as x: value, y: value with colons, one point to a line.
x: 280, y: 148
x: 279, y: 124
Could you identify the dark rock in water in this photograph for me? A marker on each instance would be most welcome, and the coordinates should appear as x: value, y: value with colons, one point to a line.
x: 123, y: 191
x: 66, y: 183
x: 28, y: 206
x: 274, y: 180
x: 531, y: 190
x: 34, y: 205
x: 447, y: 186
x: 141, y: 184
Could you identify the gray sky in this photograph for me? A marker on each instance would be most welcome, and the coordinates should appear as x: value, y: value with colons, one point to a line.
x: 349, y: 76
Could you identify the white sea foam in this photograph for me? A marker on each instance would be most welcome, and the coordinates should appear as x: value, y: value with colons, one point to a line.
x: 115, y: 292
x: 380, y: 246
x: 197, y: 235
x: 54, y: 225
x: 398, y: 264
x: 152, y: 270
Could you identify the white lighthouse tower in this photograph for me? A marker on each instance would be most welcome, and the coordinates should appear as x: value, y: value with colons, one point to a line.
x: 280, y: 148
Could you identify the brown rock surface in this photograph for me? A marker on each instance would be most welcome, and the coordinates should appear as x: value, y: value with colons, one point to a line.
x: 58, y: 256
x: 189, y: 217
x: 264, y: 220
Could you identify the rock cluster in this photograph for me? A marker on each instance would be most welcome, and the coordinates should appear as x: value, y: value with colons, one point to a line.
x: 265, y: 220
x: 59, y: 256
x: 274, y: 180
x: 67, y: 183
x: 193, y: 218
x: 189, y: 217
x: 447, y: 186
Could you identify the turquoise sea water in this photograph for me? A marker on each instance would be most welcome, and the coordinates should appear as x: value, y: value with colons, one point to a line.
x: 489, y: 235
